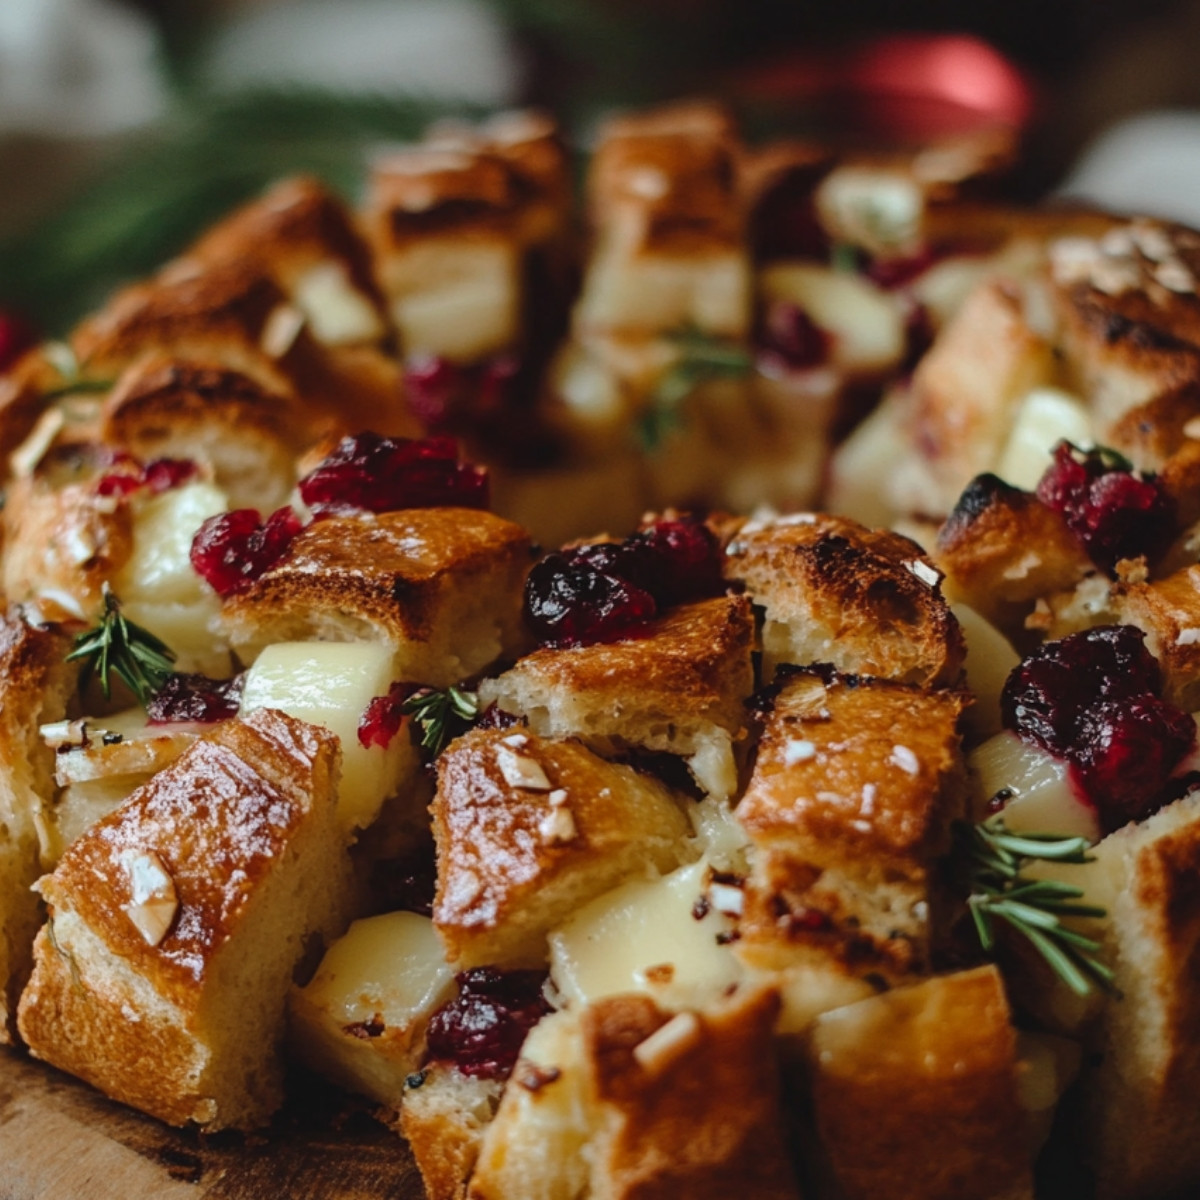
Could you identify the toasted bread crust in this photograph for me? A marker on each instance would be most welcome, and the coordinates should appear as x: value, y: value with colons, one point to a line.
x: 399, y: 578
x: 1002, y: 549
x: 866, y: 600
x: 704, y: 1123
x: 915, y: 1093
x: 513, y: 861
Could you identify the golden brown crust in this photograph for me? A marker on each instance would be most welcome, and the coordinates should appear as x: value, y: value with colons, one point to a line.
x: 516, y: 860
x: 35, y: 683
x: 1169, y: 611
x: 218, y: 817
x: 295, y: 224
x: 702, y: 1119
x: 866, y: 600
x: 184, y: 1021
x: 402, y: 578
x: 855, y: 787
x: 915, y: 1094
x: 692, y: 663
x: 1002, y: 549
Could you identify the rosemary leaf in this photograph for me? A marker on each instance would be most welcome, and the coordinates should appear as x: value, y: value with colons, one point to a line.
x: 441, y: 715
x: 117, y: 645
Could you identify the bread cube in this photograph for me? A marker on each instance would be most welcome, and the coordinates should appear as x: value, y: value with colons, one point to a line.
x: 176, y: 923
x: 915, y: 1094
x: 679, y: 688
x: 35, y: 687
x: 867, y: 601
x: 361, y: 1020
x: 1169, y: 612
x: 441, y: 588
x: 529, y: 829
x: 854, y: 791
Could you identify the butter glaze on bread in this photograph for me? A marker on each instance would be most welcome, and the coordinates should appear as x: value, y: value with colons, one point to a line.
x: 188, y: 1029
x: 515, y: 859
x: 441, y: 586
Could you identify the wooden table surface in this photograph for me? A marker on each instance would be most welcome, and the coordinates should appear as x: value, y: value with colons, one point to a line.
x: 60, y: 1140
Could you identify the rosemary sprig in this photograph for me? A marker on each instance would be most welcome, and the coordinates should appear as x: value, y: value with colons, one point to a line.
x: 442, y: 715
x: 702, y: 358
x: 994, y: 863
x: 116, y: 644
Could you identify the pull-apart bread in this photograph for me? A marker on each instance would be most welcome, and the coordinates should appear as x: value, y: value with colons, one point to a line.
x: 712, y: 853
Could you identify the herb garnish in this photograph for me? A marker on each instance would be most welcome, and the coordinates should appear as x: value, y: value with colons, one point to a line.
x: 441, y: 715
x: 702, y: 358
x: 116, y: 644
x: 994, y: 861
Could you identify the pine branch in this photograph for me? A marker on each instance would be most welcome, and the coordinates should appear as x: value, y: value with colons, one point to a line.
x: 994, y: 865
x: 117, y: 645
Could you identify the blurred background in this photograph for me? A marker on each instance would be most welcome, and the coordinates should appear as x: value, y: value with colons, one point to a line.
x: 127, y: 125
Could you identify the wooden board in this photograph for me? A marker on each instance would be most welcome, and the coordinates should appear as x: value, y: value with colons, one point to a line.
x: 60, y: 1140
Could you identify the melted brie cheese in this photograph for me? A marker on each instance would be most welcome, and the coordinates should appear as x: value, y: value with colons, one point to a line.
x: 645, y: 937
x: 331, y: 684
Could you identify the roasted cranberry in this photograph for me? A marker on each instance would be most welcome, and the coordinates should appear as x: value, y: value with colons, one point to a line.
x: 481, y: 1030
x: 1046, y: 696
x: 686, y: 558
x: 383, y: 474
x: 1127, y: 752
x: 16, y: 336
x: 1112, y: 511
x: 231, y: 550
x: 497, y: 381
x: 900, y: 270
x: 383, y: 717
x: 432, y: 387
x: 790, y: 336
x: 127, y: 475
x: 196, y: 699
x: 570, y: 603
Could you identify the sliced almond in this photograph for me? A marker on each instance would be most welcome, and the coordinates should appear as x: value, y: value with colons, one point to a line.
x: 154, y: 902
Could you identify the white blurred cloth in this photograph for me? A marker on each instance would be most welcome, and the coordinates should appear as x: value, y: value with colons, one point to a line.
x: 77, y: 68
x: 440, y: 49
x: 1149, y: 163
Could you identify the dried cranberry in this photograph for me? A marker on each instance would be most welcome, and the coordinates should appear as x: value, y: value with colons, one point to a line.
x: 570, y: 603
x: 791, y: 336
x: 128, y: 475
x: 231, y: 550
x: 432, y: 387
x: 1112, y: 511
x: 686, y: 558
x: 481, y: 1030
x: 1046, y: 696
x: 900, y: 270
x: 383, y: 717
x: 16, y: 336
x: 383, y: 474
x: 195, y: 698
x: 1126, y: 754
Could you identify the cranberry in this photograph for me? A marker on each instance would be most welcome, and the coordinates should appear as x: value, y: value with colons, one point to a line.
x: 686, y: 557
x: 16, y: 336
x: 231, y: 550
x: 607, y: 590
x: 1045, y: 697
x: 570, y: 603
x: 900, y: 270
x: 791, y: 336
x: 432, y: 387
x: 481, y: 1030
x: 195, y: 698
x: 384, y: 474
x: 383, y: 717
x: 128, y: 475
x: 497, y: 381
x: 1127, y: 751
x: 1113, y: 511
